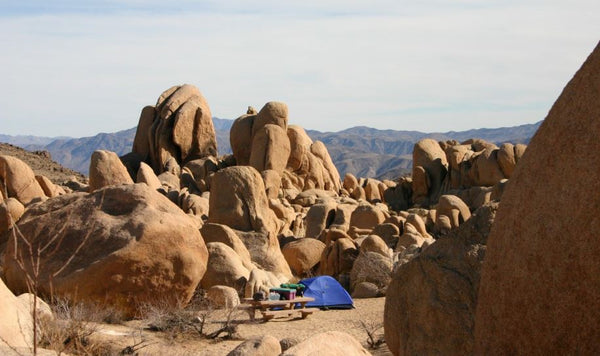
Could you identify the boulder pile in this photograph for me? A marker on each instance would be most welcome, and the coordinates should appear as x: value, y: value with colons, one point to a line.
x: 535, y: 292
x: 448, y: 273
x: 172, y: 217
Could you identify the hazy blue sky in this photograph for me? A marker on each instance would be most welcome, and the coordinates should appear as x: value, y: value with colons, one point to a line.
x: 76, y: 68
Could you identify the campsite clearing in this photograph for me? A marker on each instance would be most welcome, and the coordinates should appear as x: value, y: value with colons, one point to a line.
x: 346, y: 320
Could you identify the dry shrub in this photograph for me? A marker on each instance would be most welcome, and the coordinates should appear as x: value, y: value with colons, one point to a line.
x: 72, y: 329
x: 197, y: 319
x: 374, y: 331
x: 177, y: 321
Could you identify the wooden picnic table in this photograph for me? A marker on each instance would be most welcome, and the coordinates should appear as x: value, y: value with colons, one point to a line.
x: 282, y: 307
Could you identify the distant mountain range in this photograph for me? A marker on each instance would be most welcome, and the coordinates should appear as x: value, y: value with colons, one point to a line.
x: 362, y: 151
x: 369, y: 152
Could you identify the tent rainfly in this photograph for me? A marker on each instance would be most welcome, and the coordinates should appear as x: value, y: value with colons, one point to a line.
x: 328, y: 293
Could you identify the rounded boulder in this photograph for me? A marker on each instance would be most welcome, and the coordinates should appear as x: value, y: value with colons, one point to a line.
x: 124, y: 245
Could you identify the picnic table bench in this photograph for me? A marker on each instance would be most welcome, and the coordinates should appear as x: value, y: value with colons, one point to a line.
x: 284, y: 308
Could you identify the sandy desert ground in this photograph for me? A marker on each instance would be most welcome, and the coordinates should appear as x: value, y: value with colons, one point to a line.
x: 160, y: 343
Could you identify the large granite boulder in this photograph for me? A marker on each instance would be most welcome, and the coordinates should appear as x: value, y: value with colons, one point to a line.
x: 270, y: 149
x: 265, y: 345
x: 238, y: 200
x: 371, y: 267
x: 331, y: 343
x: 124, y: 245
x: 224, y: 268
x: 302, y: 255
x: 222, y: 233
x: 429, y: 160
x: 16, y: 322
x: 266, y: 254
x: 338, y: 257
x: 106, y: 169
x: 541, y: 276
x: 18, y: 180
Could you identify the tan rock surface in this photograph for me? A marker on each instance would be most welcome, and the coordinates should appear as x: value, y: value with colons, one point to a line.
x: 141, y: 141
x: 506, y: 159
x: 372, y: 191
x: 270, y: 149
x: 266, y: 254
x: 272, y: 180
x: 332, y: 343
x: 223, y: 297
x: 431, y: 300
x: 16, y: 324
x: 265, y: 345
x: 272, y: 113
x: 238, y: 200
x: 486, y: 170
x: 125, y: 246
x: 224, y: 268
x: 50, y: 189
x: 179, y: 127
x: 338, y: 257
x: 11, y: 211
x: 319, y: 217
x: 428, y: 154
x: 303, y: 254
x: 212, y: 232
x: 331, y: 176
x: 19, y: 180
x: 366, y: 216
x: 261, y: 281
x: 454, y: 209
x: 541, y: 276
x: 146, y: 175
x: 240, y: 138
x: 371, y: 267
x: 374, y: 243
x: 388, y: 232
x: 106, y: 169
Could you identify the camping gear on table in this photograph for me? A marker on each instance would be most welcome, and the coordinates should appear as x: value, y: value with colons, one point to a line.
x: 299, y: 287
x: 258, y: 296
x: 328, y: 293
x: 285, y: 293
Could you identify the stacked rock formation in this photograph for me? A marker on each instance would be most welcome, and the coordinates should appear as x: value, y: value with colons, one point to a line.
x: 19, y: 187
x: 469, y: 169
x: 264, y: 141
x: 18, y: 181
x: 179, y: 126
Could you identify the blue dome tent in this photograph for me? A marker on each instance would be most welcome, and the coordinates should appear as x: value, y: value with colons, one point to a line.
x: 328, y: 293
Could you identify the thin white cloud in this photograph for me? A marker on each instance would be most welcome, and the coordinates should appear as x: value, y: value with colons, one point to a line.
x: 436, y: 66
